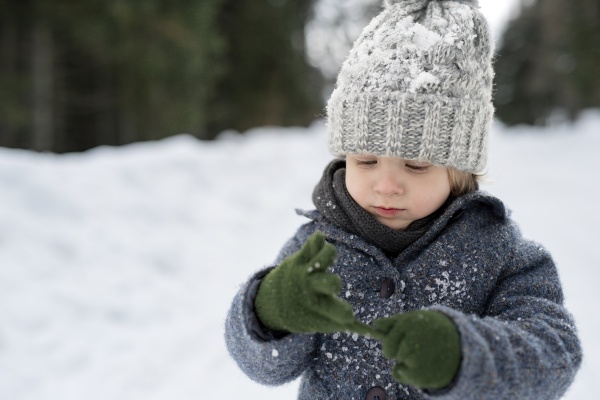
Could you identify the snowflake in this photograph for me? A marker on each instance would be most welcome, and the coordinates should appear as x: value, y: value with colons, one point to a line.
x: 446, y: 288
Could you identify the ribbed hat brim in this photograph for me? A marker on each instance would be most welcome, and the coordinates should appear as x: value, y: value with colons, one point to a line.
x: 441, y: 130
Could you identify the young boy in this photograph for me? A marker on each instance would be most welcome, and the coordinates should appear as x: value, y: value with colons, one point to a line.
x: 408, y: 282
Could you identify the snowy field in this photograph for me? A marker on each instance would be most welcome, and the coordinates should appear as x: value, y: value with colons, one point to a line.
x: 117, y: 266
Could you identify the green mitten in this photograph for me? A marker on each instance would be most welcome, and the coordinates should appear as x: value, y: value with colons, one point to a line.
x: 299, y: 295
x: 426, y: 345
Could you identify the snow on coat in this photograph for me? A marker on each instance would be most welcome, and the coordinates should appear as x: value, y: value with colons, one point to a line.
x: 502, y: 291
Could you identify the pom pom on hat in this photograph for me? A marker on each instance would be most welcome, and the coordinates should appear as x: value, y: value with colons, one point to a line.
x: 417, y: 84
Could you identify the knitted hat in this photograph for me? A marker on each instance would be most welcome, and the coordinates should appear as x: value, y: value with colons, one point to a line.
x: 418, y: 85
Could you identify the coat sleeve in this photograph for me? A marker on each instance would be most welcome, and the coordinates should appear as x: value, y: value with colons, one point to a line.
x: 525, y: 345
x: 269, y: 358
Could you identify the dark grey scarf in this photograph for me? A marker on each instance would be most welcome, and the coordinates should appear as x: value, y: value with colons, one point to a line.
x: 333, y: 201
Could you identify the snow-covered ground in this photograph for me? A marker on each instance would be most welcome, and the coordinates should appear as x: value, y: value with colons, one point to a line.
x: 117, y: 266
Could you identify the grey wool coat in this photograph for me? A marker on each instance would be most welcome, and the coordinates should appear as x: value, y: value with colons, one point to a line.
x: 502, y: 292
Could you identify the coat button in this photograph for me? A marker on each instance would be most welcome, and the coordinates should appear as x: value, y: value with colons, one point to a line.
x: 387, y: 288
x: 376, y: 393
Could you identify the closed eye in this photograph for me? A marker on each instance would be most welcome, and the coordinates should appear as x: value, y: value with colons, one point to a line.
x: 366, y: 162
x: 417, y: 168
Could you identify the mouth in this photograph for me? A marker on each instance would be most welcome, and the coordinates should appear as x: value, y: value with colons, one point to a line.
x: 388, y: 212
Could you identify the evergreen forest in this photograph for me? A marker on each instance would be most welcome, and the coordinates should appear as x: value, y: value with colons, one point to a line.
x: 79, y: 74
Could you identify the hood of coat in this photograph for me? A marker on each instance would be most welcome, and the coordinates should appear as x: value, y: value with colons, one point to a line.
x: 478, y: 208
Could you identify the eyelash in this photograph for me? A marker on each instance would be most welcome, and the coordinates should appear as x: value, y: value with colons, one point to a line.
x: 366, y: 162
x: 411, y: 167
x: 417, y: 168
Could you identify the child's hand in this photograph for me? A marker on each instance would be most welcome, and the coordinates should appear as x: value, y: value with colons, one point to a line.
x: 426, y: 345
x: 299, y: 295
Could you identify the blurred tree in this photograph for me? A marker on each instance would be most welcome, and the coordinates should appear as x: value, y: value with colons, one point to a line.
x: 80, y: 74
x: 146, y: 69
x: 13, y: 81
x: 547, y: 62
x: 269, y: 80
x: 75, y: 75
x: 333, y: 30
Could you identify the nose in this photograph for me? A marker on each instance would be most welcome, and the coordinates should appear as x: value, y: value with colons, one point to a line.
x: 389, y: 182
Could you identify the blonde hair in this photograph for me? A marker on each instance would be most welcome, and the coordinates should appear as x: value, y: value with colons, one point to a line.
x: 463, y: 182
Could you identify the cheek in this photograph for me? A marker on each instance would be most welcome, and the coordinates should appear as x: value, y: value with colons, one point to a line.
x: 434, y: 195
x: 440, y: 195
x: 356, y: 186
x: 350, y: 184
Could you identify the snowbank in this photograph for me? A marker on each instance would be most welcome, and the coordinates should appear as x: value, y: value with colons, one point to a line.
x: 117, y: 265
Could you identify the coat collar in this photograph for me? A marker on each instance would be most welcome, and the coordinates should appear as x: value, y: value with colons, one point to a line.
x: 458, y: 209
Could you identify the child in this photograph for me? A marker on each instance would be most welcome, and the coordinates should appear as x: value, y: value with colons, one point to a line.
x: 439, y: 295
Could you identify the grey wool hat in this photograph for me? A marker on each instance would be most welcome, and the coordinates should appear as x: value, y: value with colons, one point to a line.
x: 417, y: 84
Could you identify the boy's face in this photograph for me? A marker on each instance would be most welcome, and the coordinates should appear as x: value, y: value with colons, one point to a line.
x: 394, y: 190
